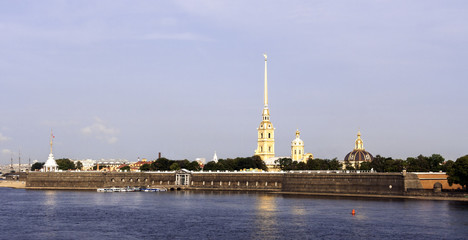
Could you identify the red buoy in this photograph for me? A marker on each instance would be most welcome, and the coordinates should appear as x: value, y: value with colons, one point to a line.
x: 353, y: 212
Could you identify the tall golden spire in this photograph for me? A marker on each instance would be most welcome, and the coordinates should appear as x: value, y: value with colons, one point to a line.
x: 266, y: 83
x: 266, y: 131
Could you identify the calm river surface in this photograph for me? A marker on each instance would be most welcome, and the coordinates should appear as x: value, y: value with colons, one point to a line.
x: 29, y: 214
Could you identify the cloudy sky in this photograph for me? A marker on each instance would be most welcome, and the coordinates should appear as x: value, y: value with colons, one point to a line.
x: 128, y: 79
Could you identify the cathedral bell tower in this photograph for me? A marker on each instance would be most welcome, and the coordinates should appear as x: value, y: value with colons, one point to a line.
x: 266, y: 131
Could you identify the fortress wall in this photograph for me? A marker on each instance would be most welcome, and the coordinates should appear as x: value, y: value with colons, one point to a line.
x: 94, y: 180
x: 64, y: 180
x: 428, y: 180
x: 362, y: 183
x: 237, y: 181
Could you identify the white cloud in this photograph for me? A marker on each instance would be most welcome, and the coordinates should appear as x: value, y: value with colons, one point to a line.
x: 3, y: 138
x: 6, y: 151
x: 101, y: 131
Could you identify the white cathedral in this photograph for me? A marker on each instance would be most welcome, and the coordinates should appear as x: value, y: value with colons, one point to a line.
x: 266, y: 137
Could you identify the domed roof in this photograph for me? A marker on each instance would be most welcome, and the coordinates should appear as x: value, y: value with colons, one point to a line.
x: 298, y: 140
x: 359, y: 154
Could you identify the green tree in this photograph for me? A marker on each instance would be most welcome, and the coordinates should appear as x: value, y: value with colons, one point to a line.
x: 418, y: 164
x: 125, y: 168
x: 378, y: 163
x: 162, y: 164
x: 37, y: 166
x: 284, y: 163
x: 334, y: 164
x: 447, y: 166
x: 435, y: 162
x: 79, y: 165
x: 365, y: 166
x: 145, y: 167
x: 174, y: 166
x: 193, y: 166
x: 65, y: 164
x: 458, y: 173
x: 394, y: 165
x: 211, y: 166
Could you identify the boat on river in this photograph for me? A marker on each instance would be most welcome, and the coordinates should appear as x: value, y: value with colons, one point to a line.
x: 131, y: 189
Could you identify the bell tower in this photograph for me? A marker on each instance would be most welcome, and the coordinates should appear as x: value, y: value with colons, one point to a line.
x: 266, y: 131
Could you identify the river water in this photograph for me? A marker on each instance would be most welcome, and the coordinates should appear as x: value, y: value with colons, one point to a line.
x: 34, y: 214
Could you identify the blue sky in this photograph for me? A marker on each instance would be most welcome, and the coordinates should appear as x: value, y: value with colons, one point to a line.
x: 128, y: 79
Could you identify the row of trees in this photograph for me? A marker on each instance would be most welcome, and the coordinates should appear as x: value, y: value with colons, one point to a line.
x: 311, y: 164
x: 433, y: 163
x: 164, y: 164
x: 236, y: 164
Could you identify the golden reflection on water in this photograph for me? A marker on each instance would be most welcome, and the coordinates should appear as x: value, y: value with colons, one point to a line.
x: 266, y: 215
x: 50, y: 198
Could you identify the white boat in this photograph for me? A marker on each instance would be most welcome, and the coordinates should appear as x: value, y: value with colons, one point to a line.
x: 104, y: 190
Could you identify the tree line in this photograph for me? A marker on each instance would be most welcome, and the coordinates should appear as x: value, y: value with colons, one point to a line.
x: 236, y: 164
x: 164, y: 164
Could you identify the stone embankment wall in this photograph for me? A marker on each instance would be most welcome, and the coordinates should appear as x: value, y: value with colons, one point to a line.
x: 308, y: 181
x: 94, y: 180
x: 355, y: 183
x: 237, y: 181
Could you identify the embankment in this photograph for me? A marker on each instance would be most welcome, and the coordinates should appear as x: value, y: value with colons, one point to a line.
x: 406, y: 185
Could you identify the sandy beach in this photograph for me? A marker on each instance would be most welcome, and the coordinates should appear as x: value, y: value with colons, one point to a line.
x: 13, y: 184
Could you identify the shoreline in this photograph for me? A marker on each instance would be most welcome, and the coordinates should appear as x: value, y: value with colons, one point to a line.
x: 22, y: 185
x: 352, y: 195
x: 13, y: 184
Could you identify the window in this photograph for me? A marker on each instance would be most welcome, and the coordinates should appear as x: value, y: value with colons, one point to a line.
x: 261, y: 149
x: 269, y: 135
x: 269, y: 149
x: 299, y: 151
x: 294, y: 151
x: 261, y: 135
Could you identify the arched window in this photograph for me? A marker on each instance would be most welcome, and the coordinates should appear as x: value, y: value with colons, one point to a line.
x: 261, y: 135
x: 269, y: 135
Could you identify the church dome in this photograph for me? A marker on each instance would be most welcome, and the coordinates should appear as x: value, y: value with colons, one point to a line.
x: 359, y: 154
x: 297, y: 141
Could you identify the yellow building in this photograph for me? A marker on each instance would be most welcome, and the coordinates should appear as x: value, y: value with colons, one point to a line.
x: 266, y: 131
x: 297, y: 149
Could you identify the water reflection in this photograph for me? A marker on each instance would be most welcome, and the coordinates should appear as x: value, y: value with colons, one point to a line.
x: 50, y: 198
x: 266, y: 217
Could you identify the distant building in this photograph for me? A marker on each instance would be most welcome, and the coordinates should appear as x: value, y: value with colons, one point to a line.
x: 136, y: 165
x: 109, y: 165
x: 358, y: 155
x: 297, y: 149
x: 88, y: 164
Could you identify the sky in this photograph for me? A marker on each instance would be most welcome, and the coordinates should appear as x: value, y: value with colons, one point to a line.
x: 129, y: 79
